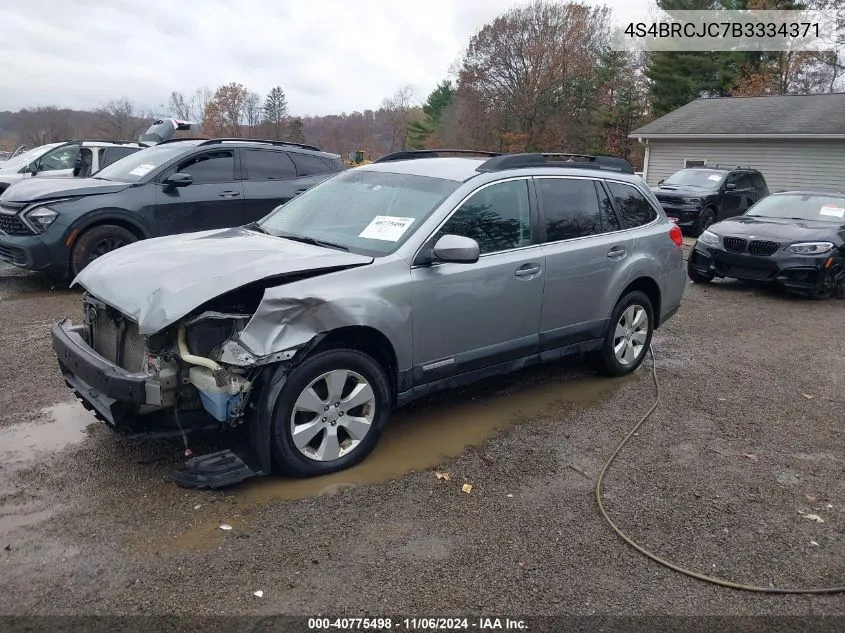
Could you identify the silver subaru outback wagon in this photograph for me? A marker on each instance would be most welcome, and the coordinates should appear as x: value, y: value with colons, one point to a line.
x: 382, y: 284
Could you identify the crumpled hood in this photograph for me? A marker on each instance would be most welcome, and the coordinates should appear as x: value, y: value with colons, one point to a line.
x: 782, y: 230
x: 45, y: 188
x: 158, y: 281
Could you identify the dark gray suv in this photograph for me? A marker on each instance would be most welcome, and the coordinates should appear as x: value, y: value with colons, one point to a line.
x: 381, y: 284
x: 60, y: 225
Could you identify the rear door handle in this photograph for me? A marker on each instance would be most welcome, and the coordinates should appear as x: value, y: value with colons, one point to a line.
x: 229, y: 194
x: 527, y: 270
x: 617, y: 252
x: 299, y: 191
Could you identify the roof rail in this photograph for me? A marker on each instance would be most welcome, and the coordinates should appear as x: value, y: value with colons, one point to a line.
x: 569, y: 161
x: 412, y: 154
x: 112, y: 141
x: 213, y: 141
x: 719, y: 166
x: 176, y: 140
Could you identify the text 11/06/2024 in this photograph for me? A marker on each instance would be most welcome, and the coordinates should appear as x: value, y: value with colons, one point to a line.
x: 417, y: 624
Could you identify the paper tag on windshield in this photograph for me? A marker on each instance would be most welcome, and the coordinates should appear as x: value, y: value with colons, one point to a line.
x: 387, y: 228
x: 714, y: 177
x: 141, y: 170
x: 836, y: 212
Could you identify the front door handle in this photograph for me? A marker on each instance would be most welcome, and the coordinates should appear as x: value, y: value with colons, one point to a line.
x: 617, y: 252
x: 229, y: 194
x: 527, y: 270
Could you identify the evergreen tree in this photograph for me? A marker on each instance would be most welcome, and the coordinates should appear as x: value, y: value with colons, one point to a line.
x: 275, y: 111
x: 434, y: 107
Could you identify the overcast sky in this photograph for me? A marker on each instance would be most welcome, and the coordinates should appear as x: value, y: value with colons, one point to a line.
x: 330, y: 56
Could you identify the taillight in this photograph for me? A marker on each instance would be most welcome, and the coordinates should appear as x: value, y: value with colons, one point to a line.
x: 676, y: 235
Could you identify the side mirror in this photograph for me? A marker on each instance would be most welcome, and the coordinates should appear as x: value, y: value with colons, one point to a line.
x: 730, y: 186
x: 660, y: 182
x: 32, y: 168
x: 456, y: 249
x: 178, y: 180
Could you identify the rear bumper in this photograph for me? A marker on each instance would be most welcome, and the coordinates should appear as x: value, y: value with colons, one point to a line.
x: 795, y: 272
x: 111, y: 391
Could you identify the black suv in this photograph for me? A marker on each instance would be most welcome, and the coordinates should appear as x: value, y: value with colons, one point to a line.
x: 177, y: 186
x: 696, y: 197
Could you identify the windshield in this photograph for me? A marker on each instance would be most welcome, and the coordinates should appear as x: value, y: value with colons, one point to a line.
x: 136, y: 166
x: 367, y: 212
x: 27, y: 157
x: 801, y: 207
x: 704, y: 178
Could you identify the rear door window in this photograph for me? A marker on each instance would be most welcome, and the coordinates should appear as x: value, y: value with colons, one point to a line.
x: 570, y: 208
x: 109, y: 155
x: 266, y: 165
x: 632, y: 205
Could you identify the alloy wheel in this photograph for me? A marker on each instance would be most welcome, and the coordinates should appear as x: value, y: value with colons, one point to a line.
x: 332, y: 415
x: 105, y: 245
x: 630, y: 335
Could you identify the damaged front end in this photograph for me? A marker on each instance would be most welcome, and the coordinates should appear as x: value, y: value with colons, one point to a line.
x: 196, y: 374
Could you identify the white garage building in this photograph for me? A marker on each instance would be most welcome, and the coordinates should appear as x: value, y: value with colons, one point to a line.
x: 796, y: 141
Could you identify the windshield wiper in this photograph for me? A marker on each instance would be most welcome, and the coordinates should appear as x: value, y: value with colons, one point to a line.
x: 312, y: 241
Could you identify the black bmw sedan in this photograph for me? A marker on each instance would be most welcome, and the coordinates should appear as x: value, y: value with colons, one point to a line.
x: 794, y: 238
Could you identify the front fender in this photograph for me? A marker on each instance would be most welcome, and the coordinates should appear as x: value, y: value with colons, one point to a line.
x: 111, y: 214
x: 293, y: 314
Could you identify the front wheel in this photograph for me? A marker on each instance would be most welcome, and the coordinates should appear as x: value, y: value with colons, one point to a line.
x: 705, y: 219
x: 628, y: 337
x: 329, y: 414
x: 98, y: 241
x: 695, y: 276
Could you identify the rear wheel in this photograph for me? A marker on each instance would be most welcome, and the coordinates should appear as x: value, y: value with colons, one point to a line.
x: 329, y: 415
x: 98, y: 241
x: 628, y: 337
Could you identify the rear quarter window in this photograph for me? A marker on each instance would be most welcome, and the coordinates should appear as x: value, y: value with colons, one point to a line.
x: 307, y: 165
x: 633, y: 207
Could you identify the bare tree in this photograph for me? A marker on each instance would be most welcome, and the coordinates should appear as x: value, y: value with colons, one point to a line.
x: 534, y: 64
x: 181, y: 107
x: 121, y: 119
x: 397, y: 108
x: 40, y: 126
x: 230, y: 101
x: 252, y: 111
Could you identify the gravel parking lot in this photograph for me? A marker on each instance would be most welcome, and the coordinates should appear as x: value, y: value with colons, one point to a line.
x: 747, y: 442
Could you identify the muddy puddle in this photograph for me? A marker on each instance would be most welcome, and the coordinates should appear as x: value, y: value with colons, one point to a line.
x: 58, y: 427
x: 417, y: 439
x: 23, y: 445
x: 421, y: 438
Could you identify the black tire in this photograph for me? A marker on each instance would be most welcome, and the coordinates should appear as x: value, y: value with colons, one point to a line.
x: 605, y: 361
x: 834, y: 287
x: 287, y: 456
x: 96, y: 241
x: 705, y: 219
x: 695, y: 276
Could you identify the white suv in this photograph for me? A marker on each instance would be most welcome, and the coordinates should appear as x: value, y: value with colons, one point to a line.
x: 64, y: 160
